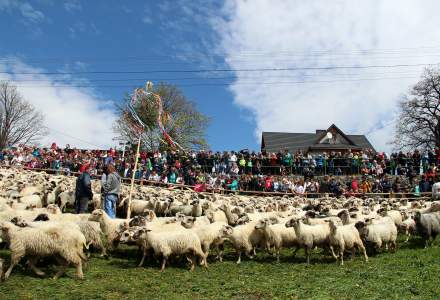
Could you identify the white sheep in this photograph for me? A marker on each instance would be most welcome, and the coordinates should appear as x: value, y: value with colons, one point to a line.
x: 216, y: 216
x: 40, y: 242
x: 310, y: 236
x: 137, y: 207
x: 66, y: 198
x: 209, y: 234
x: 110, y: 227
x: 378, y: 234
x: 277, y: 234
x: 407, y: 227
x: 345, y: 237
x: 181, y: 242
x: 244, y: 238
x: 31, y: 200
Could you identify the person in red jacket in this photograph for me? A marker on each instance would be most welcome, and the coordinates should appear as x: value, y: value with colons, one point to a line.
x: 354, y: 185
x: 268, y: 184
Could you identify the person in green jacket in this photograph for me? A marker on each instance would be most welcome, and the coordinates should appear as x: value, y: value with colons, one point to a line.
x: 233, y: 186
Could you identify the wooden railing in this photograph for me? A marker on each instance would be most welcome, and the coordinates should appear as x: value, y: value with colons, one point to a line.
x: 409, y: 196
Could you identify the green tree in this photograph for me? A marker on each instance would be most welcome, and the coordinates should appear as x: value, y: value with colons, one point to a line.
x: 185, y: 125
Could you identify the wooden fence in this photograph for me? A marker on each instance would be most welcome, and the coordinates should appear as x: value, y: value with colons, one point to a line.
x: 171, y: 186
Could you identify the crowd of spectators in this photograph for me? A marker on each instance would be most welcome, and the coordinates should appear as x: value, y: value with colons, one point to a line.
x: 339, y: 173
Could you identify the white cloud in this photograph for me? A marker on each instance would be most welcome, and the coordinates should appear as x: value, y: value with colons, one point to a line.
x: 75, y: 116
x: 305, y: 34
x: 71, y: 6
x: 30, y: 14
x: 147, y: 19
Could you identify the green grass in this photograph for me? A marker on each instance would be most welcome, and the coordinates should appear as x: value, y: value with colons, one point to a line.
x: 411, y: 272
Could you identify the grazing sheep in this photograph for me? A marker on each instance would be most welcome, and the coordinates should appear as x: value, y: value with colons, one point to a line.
x: 180, y: 242
x: 66, y: 245
x: 310, y: 236
x: 345, y: 237
x: 427, y: 226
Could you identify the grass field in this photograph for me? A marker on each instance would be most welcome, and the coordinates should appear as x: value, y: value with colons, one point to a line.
x: 411, y: 272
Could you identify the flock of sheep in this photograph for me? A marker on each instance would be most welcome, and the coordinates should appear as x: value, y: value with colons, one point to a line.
x: 174, y: 223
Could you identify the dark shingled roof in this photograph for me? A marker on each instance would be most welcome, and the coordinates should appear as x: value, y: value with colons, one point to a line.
x: 276, y: 141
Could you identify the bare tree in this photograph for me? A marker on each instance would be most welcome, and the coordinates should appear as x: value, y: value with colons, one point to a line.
x: 19, y: 121
x: 418, y: 125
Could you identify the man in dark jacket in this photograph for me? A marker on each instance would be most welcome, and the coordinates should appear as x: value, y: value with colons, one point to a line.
x: 83, y: 191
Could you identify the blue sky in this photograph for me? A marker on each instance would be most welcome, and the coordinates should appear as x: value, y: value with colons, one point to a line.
x: 135, y: 36
x: 315, y: 43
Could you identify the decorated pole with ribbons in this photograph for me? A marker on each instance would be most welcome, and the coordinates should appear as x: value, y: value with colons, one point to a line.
x: 139, y: 126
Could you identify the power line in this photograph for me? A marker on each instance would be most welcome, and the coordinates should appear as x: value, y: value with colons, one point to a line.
x: 85, y: 80
x: 219, y: 84
x: 245, y: 53
x: 218, y: 70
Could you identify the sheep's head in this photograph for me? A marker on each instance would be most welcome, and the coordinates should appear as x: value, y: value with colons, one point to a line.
x: 42, y: 217
x: 223, y: 207
x: 180, y: 217
x: 417, y: 216
x: 188, y: 222
x: 206, y: 205
x: 226, y: 230
x: 332, y: 225
x: 96, y: 215
x: 129, y: 235
x: 137, y: 221
x: 283, y: 206
x: 141, y: 233
x: 261, y: 224
x: 53, y: 209
x: 210, y: 215
x: 243, y: 220
x: 31, y: 207
x: 310, y: 214
x: 293, y: 222
x: 171, y: 220
x: 236, y: 210
x: 360, y: 225
x: 18, y: 221
x: 149, y: 215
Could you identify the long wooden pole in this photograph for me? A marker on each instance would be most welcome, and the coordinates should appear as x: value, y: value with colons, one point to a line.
x: 133, y: 177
